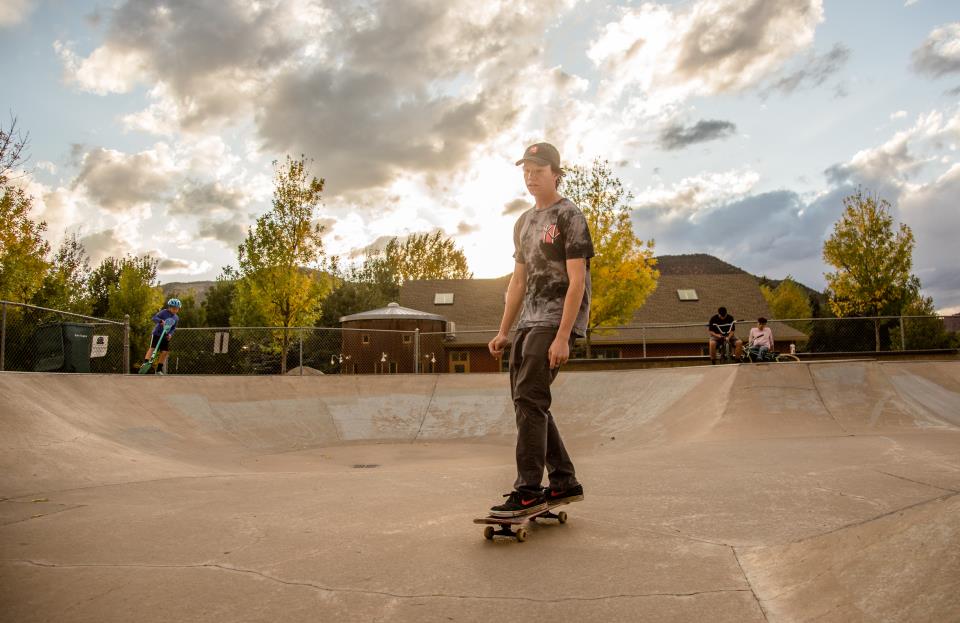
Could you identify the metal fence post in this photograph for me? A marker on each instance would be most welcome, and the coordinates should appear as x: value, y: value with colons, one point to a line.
x: 903, y: 336
x: 416, y: 350
x: 3, y: 339
x: 300, y: 332
x: 643, y: 333
x: 126, y: 344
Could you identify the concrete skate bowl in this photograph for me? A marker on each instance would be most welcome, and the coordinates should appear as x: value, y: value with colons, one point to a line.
x: 781, y: 492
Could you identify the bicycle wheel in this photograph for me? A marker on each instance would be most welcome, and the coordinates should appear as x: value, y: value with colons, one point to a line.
x: 783, y: 357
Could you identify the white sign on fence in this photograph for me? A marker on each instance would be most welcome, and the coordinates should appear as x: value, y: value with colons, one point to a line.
x: 221, y: 340
x: 99, y: 347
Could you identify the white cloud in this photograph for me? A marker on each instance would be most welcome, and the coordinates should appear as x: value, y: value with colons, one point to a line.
x: 174, y: 266
x: 693, y: 195
x: 12, y: 12
x: 106, y: 70
x: 900, y: 114
x: 118, y: 181
x: 715, y: 46
x: 939, y: 55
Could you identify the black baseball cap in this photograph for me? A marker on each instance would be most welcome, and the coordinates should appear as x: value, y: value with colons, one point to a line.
x: 542, y: 154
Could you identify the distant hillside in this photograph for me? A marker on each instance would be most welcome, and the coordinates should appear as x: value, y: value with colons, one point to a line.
x: 696, y: 264
x: 199, y: 288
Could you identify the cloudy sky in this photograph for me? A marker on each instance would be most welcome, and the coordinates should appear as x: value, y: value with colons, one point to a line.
x: 739, y: 125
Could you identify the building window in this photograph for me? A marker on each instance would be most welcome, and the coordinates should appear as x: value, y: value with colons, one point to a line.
x: 364, y: 339
x: 443, y: 298
x: 688, y: 295
x: 407, y: 339
x: 459, y: 361
x: 607, y: 352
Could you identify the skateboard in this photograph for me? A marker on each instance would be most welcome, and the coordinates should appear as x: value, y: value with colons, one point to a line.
x: 521, y: 522
x: 169, y: 322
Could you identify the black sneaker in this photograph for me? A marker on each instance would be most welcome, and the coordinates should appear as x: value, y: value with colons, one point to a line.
x: 519, y: 503
x: 573, y: 494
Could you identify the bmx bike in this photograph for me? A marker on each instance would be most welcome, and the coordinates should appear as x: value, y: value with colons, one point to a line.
x: 753, y: 354
x: 725, y: 351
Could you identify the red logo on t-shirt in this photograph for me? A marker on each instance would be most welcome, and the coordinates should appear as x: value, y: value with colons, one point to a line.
x: 550, y: 233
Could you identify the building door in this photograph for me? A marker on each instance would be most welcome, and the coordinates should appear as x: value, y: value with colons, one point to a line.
x: 459, y: 361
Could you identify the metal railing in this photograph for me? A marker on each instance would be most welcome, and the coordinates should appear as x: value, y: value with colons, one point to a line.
x: 25, y: 331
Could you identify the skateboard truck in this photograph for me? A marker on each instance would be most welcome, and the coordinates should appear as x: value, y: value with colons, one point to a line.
x: 505, y: 523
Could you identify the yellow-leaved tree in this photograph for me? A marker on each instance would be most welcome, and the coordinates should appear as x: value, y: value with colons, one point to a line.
x: 623, y: 271
x: 872, y: 262
x: 788, y: 301
x: 279, y: 282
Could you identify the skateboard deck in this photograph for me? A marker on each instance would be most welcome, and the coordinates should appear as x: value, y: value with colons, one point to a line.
x: 156, y: 351
x: 506, y: 523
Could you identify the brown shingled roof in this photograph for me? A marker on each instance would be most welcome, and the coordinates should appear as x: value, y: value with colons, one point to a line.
x: 477, y: 303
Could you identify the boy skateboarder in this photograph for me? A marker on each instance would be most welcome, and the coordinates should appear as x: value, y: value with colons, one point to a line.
x: 550, y: 291
x: 159, y: 318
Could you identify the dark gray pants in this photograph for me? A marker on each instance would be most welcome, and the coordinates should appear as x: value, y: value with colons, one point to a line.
x: 538, y: 440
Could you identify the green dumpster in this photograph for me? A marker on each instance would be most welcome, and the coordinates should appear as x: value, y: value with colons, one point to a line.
x: 62, y: 347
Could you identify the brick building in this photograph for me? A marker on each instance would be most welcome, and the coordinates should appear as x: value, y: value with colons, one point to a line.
x: 372, y: 341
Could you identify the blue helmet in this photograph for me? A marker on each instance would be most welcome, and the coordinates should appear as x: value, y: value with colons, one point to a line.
x: 174, y: 303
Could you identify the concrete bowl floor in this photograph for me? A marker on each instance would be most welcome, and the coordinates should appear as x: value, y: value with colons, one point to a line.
x: 776, y: 492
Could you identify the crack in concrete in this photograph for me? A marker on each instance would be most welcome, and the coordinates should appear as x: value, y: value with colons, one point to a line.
x: 746, y: 579
x: 939, y: 498
x: 328, y: 589
x: 42, y: 515
x: 816, y: 388
x: 926, y: 484
x: 426, y: 410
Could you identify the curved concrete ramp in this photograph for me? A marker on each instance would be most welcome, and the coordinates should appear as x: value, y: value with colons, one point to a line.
x: 780, y: 492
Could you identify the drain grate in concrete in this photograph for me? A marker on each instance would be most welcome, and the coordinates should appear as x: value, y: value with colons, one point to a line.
x: 365, y: 465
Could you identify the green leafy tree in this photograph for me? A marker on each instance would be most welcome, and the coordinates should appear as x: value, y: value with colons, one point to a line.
x: 787, y: 301
x: 872, y: 262
x: 219, y: 301
x: 138, y: 294
x: 623, y: 271
x: 23, y: 249
x: 927, y: 331
x: 349, y: 297
x: 278, y: 262
x: 416, y: 257
x: 64, y: 285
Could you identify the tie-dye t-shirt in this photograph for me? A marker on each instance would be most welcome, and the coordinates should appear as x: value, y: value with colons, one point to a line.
x: 543, y: 241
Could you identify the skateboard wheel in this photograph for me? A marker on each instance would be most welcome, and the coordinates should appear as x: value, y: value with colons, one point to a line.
x: 521, y: 535
x: 562, y: 517
x: 488, y: 533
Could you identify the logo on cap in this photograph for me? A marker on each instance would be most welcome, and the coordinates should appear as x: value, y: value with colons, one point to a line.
x: 534, y: 149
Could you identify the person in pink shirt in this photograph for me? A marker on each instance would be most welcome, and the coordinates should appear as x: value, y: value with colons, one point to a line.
x: 761, y: 338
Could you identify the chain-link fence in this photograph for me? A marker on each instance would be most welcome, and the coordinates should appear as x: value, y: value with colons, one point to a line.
x: 37, y: 339
x: 296, y: 350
